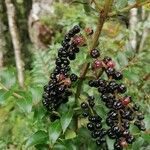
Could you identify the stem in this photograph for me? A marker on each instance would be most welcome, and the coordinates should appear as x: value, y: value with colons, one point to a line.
x: 102, y: 17
x: 135, y: 5
x: 6, y: 89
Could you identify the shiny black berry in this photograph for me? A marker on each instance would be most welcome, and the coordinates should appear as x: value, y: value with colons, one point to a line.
x: 84, y: 105
x: 94, y: 53
x: 122, y: 88
x: 73, y: 77
x: 90, y: 126
x: 117, y: 75
x: 76, y: 29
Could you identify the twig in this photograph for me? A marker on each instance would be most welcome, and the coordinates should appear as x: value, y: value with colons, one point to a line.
x: 131, y: 62
x: 6, y: 89
x: 102, y: 17
x: 135, y: 5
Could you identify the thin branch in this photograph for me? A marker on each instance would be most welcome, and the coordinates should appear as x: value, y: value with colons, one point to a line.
x: 6, y: 89
x: 131, y: 62
x: 135, y: 5
x: 102, y: 17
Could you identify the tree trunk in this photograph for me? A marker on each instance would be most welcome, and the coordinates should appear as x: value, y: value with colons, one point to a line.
x: 1, y: 58
x: 11, y: 14
x: 2, y: 37
x: 133, y: 22
x: 145, y: 34
x: 2, y: 43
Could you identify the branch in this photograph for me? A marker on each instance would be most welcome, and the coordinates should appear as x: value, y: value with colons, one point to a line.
x: 102, y: 17
x: 131, y: 62
x: 135, y: 5
x: 6, y: 89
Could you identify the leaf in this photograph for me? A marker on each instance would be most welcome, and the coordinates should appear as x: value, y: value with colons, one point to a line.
x: 70, y: 134
x: 138, y: 143
x: 79, y: 1
x: 110, y: 143
x: 101, y: 111
x: 122, y: 59
x: 120, y: 4
x: 39, y: 137
x: 25, y: 103
x: 36, y: 94
x: 146, y: 137
x: 147, y: 121
x: 87, y: 7
x: 66, y: 119
x: 4, y: 95
x: 54, y: 131
x: 130, y: 75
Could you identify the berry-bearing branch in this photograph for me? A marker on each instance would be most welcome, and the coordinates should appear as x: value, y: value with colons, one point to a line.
x: 102, y: 17
x: 110, y: 14
x: 103, y: 14
x: 121, y: 109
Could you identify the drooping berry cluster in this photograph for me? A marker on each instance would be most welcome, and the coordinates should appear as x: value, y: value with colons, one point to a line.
x: 122, y: 110
x: 58, y: 89
x: 95, y: 121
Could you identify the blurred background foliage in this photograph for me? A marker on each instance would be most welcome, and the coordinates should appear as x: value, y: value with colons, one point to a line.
x: 24, y: 122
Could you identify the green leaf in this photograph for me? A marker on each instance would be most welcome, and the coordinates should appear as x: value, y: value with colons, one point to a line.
x: 130, y: 75
x: 66, y: 119
x: 146, y: 137
x: 39, y: 137
x: 87, y: 7
x: 70, y: 134
x: 122, y: 59
x: 147, y: 122
x: 25, y: 103
x: 120, y: 4
x: 54, y: 131
x: 4, y: 95
x: 36, y: 94
x: 138, y: 143
x: 110, y: 143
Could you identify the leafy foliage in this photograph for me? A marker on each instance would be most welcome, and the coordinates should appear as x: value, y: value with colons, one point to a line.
x: 24, y: 122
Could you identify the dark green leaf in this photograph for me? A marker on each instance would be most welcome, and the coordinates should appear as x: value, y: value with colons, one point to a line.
x: 54, y: 131
x: 40, y: 137
x: 66, y: 119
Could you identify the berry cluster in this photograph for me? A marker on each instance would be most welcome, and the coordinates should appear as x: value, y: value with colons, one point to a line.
x: 122, y: 110
x: 58, y: 89
x: 95, y: 121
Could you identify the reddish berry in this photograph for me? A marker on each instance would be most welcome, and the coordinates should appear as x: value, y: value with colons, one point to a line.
x: 123, y: 143
x: 79, y: 40
x: 89, y: 31
x: 97, y: 64
x: 111, y: 64
x: 60, y: 77
x: 126, y: 101
x: 67, y: 82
